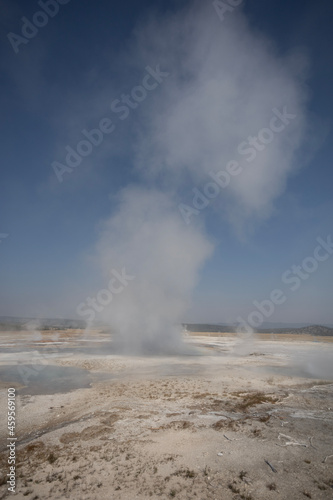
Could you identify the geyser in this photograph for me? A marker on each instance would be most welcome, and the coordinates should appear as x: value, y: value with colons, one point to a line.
x: 147, y: 237
x: 225, y: 81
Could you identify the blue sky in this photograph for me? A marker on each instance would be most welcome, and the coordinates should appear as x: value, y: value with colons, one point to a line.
x: 63, y: 81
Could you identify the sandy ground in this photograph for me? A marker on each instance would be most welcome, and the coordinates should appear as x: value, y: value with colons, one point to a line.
x: 236, y: 421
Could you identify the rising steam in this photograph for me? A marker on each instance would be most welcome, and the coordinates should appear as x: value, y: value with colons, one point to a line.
x: 148, y: 238
x: 224, y: 82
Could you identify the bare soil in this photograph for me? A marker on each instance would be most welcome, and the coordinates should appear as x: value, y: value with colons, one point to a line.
x: 230, y: 423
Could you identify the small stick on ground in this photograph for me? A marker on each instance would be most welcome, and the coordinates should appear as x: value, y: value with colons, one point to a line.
x: 310, y: 439
x: 292, y: 441
x: 328, y: 456
x: 271, y: 466
x: 231, y: 439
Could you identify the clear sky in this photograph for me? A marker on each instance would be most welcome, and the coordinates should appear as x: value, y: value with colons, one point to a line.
x: 64, y: 77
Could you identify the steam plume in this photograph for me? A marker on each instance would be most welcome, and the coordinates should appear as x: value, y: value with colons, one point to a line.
x: 225, y: 81
x: 148, y: 238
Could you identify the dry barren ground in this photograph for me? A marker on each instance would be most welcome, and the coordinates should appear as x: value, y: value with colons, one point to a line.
x: 227, y: 424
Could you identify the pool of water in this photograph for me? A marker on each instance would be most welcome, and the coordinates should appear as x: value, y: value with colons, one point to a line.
x: 40, y: 379
x: 292, y: 371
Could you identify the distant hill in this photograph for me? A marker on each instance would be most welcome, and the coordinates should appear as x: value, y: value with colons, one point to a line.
x: 266, y: 325
x: 205, y: 327
x: 12, y: 323
x: 315, y: 330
